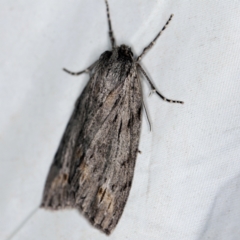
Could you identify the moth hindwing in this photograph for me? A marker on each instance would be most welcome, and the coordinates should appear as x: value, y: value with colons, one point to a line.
x: 93, y: 167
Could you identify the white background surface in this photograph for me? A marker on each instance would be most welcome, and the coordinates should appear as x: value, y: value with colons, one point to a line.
x: 187, y: 179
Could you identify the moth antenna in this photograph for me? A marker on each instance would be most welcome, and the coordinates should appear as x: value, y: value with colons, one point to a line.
x: 111, y: 35
x: 146, y: 49
x: 22, y: 224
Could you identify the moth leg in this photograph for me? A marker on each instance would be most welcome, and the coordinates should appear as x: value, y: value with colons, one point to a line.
x: 144, y: 106
x: 111, y: 35
x: 146, y: 49
x: 153, y: 90
x: 87, y: 70
x: 150, y: 126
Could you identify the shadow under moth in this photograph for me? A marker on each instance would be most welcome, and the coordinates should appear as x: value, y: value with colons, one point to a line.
x: 93, y: 167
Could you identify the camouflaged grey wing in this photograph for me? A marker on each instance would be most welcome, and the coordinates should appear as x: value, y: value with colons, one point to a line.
x: 93, y: 167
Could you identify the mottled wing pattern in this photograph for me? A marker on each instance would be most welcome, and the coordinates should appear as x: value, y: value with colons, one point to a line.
x: 93, y: 167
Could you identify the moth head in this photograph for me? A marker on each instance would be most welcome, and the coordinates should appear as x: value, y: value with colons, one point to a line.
x: 125, y: 50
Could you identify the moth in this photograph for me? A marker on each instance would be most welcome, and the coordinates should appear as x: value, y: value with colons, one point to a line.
x: 93, y: 167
